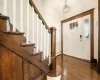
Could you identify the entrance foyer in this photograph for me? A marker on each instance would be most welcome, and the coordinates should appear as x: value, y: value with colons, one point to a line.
x: 77, y: 37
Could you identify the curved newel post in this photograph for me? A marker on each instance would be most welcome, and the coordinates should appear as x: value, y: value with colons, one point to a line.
x: 54, y: 74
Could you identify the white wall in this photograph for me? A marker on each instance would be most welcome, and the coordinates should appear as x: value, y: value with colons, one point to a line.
x: 51, y: 15
x: 51, y: 11
x: 79, y: 6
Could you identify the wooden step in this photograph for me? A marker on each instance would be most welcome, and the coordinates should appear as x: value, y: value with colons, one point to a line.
x: 45, y: 62
x: 14, y: 33
x: 17, y: 36
x: 38, y: 53
x: 9, y: 42
x: 27, y: 45
x: 3, y: 17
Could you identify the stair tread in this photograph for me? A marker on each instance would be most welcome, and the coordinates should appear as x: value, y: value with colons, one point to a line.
x: 37, y: 53
x: 13, y: 33
x: 3, y: 17
x: 46, y: 61
x: 26, y: 45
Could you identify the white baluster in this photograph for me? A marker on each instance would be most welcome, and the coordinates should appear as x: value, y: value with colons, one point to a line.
x: 27, y: 33
x: 2, y: 4
x: 14, y: 15
x: 30, y: 24
x: 25, y: 17
x: 47, y: 44
x: 43, y: 46
x: 37, y: 33
x: 41, y: 40
x: 49, y: 49
x: 8, y: 25
x: 33, y: 27
x: 5, y: 7
x: 5, y: 12
x: 21, y: 14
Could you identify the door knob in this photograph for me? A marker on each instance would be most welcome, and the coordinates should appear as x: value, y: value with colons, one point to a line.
x: 80, y: 37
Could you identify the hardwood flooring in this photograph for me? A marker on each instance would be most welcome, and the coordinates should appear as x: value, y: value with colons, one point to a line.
x: 75, y: 69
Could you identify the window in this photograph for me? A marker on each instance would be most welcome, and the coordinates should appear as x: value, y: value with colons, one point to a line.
x: 74, y: 25
x: 86, y: 28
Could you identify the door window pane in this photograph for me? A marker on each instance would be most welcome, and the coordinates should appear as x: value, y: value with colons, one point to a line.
x: 86, y: 28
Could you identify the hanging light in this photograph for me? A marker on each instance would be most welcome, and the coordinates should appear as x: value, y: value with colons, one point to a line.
x: 66, y: 8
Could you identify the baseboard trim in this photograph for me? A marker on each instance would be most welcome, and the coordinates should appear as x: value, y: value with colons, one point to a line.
x: 94, y: 61
x: 58, y: 55
x: 77, y: 58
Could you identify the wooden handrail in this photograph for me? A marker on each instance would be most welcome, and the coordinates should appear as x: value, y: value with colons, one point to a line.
x: 3, y: 17
x: 37, y: 11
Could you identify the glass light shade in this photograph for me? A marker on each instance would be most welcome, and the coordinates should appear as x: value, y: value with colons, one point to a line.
x: 66, y: 9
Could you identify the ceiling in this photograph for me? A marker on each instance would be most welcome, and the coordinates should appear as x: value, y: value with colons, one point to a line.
x: 74, y: 4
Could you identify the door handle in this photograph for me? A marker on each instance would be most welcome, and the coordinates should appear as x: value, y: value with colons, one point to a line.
x: 80, y: 37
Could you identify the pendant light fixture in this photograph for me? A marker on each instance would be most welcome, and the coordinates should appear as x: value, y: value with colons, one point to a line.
x: 66, y: 8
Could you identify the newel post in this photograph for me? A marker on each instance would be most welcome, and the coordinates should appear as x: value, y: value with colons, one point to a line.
x: 55, y: 73
x: 53, y: 50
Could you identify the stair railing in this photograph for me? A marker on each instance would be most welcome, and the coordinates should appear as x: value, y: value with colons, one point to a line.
x: 42, y: 33
x: 26, y: 18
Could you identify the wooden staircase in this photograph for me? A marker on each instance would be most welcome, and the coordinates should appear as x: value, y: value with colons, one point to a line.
x: 20, y: 59
x: 13, y: 42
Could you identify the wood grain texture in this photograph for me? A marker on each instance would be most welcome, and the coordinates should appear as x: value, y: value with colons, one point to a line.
x: 16, y: 67
x: 25, y: 70
x: 75, y: 69
x: 11, y: 41
x: 5, y: 64
x: 9, y: 70
x: 55, y: 69
x: 34, y: 72
x: 25, y: 53
x: 98, y: 36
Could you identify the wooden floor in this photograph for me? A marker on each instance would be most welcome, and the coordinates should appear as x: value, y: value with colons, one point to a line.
x: 75, y: 69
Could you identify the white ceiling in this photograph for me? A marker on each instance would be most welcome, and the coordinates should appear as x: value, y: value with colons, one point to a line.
x: 74, y: 4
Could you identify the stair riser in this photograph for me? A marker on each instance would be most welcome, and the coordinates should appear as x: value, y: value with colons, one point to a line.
x: 17, y: 38
x: 38, y: 57
x: 2, y: 25
x: 31, y: 72
x: 28, y: 48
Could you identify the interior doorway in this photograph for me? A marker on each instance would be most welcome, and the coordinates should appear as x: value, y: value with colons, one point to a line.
x: 78, y: 41
x: 76, y: 38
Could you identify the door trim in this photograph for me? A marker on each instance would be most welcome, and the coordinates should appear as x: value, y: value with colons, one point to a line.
x: 91, y: 12
x: 98, y: 37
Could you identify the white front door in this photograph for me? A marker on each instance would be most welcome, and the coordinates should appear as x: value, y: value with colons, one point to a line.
x: 76, y: 38
x: 86, y: 38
